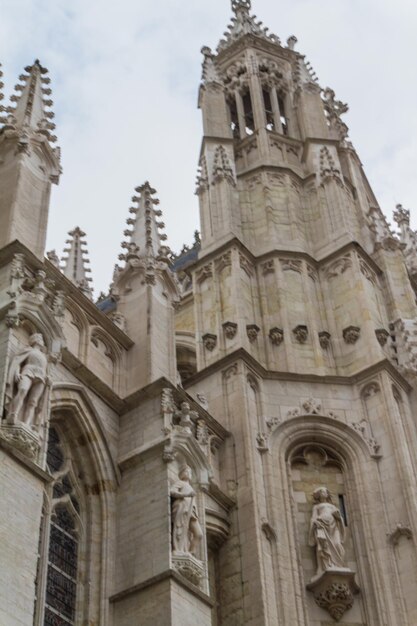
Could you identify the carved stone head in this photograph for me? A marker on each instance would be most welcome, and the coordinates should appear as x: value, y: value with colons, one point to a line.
x: 322, y: 494
x: 324, y: 338
x: 209, y: 341
x: 252, y: 331
x: 230, y: 329
x: 351, y: 334
x: 276, y: 336
x: 301, y: 333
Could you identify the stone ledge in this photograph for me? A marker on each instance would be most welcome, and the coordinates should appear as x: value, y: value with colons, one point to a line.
x: 167, y: 574
x: 27, y: 463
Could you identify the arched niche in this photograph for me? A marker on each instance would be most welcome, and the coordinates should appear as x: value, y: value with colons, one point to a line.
x: 313, y: 465
x: 349, y: 463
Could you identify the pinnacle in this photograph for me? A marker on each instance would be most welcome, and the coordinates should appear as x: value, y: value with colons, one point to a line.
x: 243, y: 24
x: 31, y: 110
x: 76, y: 261
x: 144, y: 238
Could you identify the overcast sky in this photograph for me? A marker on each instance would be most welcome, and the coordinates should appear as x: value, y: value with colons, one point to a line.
x: 125, y: 77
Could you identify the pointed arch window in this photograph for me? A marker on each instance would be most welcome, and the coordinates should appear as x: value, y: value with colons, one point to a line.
x: 282, y: 115
x: 56, y: 585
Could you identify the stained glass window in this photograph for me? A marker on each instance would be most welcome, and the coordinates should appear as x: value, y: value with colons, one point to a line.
x: 61, y: 575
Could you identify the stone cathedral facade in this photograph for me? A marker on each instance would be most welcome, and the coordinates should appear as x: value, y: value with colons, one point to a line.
x: 228, y: 437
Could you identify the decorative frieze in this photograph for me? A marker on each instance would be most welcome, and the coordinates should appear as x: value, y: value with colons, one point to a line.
x: 21, y: 437
x: 338, y: 267
x: 293, y: 265
x: 245, y: 264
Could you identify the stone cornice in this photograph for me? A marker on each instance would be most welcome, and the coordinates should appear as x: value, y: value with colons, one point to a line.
x: 262, y: 372
x: 353, y: 245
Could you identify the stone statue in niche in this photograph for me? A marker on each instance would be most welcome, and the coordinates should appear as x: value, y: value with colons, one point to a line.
x: 327, y: 532
x: 186, y: 529
x: 26, y: 384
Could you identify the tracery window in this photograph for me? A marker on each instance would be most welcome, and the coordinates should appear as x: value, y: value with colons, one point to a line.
x: 60, y: 534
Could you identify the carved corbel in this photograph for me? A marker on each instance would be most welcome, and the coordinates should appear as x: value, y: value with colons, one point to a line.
x: 252, y: 331
x: 351, y: 334
x: 324, y: 339
x: 276, y: 335
x: 209, y: 341
x: 300, y: 333
x: 382, y: 336
x: 230, y: 329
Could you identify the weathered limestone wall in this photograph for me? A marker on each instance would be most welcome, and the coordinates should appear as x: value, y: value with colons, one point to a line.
x: 24, y: 200
x: 21, y: 494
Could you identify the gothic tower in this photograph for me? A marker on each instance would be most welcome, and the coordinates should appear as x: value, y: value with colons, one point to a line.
x: 303, y: 306
x: 227, y: 436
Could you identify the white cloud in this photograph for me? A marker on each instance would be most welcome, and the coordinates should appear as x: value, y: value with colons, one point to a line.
x: 125, y: 77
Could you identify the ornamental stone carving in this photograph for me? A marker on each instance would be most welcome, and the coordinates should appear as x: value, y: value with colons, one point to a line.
x: 230, y: 329
x: 399, y: 531
x: 382, y: 336
x: 26, y: 385
x: 324, y: 339
x: 209, y: 341
x: 351, y: 334
x: 276, y: 336
x: 334, y: 584
x: 335, y: 592
x: 186, y: 529
x: 252, y: 330
x: 262, y: 442
x: 327, y: 532
x: 301, y: 333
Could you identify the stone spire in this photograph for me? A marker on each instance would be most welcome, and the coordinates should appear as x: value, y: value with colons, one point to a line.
x: 32, y: 103
x: 76, y: 261
x: 145, y: 239
x: 29, y: 163
x: 244, y: 24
